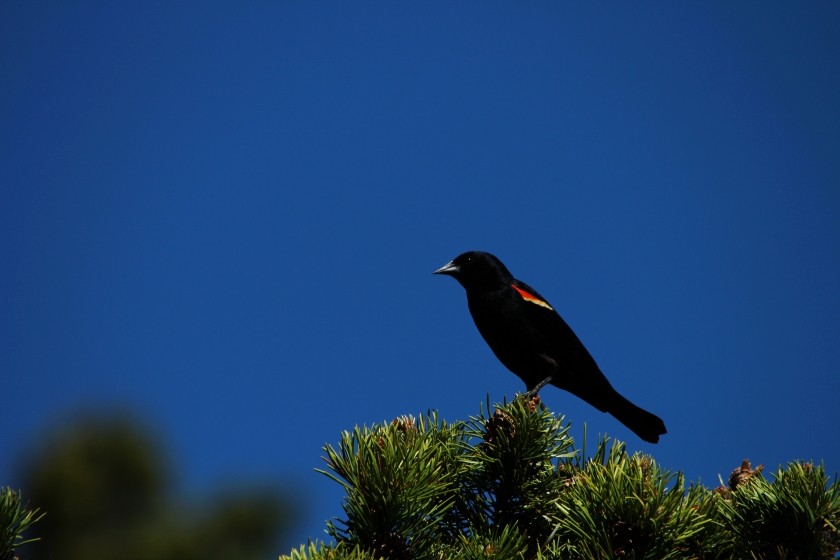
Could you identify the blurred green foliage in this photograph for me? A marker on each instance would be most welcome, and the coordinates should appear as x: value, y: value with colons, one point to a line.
x: 107, y: 489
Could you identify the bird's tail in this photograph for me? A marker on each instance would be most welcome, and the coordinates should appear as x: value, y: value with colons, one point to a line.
x: 644, y: 424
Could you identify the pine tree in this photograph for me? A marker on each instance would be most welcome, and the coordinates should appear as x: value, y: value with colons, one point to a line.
x: 512, y: 485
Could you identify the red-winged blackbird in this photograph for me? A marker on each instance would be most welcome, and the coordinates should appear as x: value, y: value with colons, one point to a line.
x: 535, y: 343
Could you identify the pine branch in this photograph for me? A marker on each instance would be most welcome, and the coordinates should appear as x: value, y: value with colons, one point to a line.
x: 401, y: 481
x: 795, y: 517
x: 15, y: 519
x: 511, y: 485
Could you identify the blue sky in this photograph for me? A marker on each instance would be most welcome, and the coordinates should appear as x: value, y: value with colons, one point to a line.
x: 225, y: 216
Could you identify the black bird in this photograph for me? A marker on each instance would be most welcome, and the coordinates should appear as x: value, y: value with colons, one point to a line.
x: 528, y: 336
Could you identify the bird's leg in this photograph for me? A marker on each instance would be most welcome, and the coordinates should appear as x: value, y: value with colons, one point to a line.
x: 533, y: 392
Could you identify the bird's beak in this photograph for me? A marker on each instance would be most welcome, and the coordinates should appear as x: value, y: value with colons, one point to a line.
x: 449, y: 268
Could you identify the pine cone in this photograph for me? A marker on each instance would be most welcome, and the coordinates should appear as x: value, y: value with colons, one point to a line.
x: 743, y: 474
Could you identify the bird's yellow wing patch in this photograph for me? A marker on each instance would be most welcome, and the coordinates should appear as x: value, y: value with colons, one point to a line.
x: 528, y: 296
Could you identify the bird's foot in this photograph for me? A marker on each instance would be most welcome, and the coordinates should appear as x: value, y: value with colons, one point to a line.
x: 533, y: 392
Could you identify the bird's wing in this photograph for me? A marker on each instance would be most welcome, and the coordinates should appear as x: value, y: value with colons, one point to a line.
x: 563, y: 346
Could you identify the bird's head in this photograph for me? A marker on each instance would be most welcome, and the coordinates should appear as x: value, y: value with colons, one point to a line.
x: 477, y: 270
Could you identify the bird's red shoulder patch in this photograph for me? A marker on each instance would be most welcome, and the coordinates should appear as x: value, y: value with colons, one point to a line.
x: 528, y: 296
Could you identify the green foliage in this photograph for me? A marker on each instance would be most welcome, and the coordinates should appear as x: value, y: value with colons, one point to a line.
x: 401, y: 482
x: 511, y: 485
x: 511, y: 477
x: 15, y: 519
x: 340, y: 551
x: 105, y: 485
x: 794, y: 517
x: 617, y: 505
